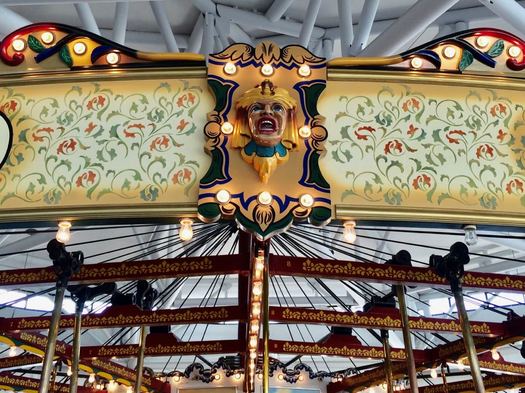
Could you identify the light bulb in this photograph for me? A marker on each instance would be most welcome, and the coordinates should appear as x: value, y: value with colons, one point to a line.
x: 254, y: 326
x: 112, y: 58
x: 449, y: 52
x: 280, y: 377
x: 227, y: 128
x: 12, y: 351
x: 186, y: 230
x: 471, y: 237
x: 461, y: 366
x: 264, y: 198
x: 223, y: 196
x: 230, y: 68
x: 91, y: 378
x: 254, y: 340
x: 434, y: 373
x: 259, y: 376
x: 253, y: 354
x: 257, y: 288
x: 130, y: 389
x: 237, y: 375
x: 306, y: 201
x: 79, y: 48
x: 63, y: 234
x: 482, y: 41
x: 305, y: 132
x: 69, y: 371
x: 18, y: 45
x: 176, y: 378
x: 514, y: 51
x: 256, y: 309
x: 304, y: 70
x: 217, y: 377
x: 349, y: 231
x: 301, y: 378
x: 267, y: 70
x: 495, y: 354
x: 47, y: 37
x: 416, y: 62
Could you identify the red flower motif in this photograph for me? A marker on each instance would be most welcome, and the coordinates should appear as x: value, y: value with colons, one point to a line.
x: 514, y: 186
x: 498, y: 109
x: 422, y: 182
x: 392, y: 146
x: 191, y: 98
x: 364, y: 136
x: 186, y: 99
x: 412, y: 130
x: 485, y: 151
x: 182, y: 124
x: 9, y: 107
x: 96, y: 102
x: 38, y: 138
x: 455, y: 132
x: 130, y: 134
x: 410, y: 103
x: 501, y: 135
x: 182, y: 176
x: 91, y: 126
x: 67, y: 147
x: 160, y: 143
x: 86, y: 179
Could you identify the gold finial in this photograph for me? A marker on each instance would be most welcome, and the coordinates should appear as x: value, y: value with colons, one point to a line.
x: 267, y: 87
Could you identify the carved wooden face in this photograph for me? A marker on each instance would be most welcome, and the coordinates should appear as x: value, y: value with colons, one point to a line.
x: 267, y: 122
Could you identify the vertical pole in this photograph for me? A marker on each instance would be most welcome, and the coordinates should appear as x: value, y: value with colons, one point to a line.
x: 266, y: 322
x: 52, y: 338
x: 73, y: 382
x: 388, y: 362
x: 140, y: 359
x: 407, y: 339
x: 468, y: 340
x: 444, y: 377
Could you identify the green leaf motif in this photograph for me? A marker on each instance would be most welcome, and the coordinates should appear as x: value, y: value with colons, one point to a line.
x: 65, y: 56
x: 496, y: 49
x: 466, y: 60
x: 34, y: 44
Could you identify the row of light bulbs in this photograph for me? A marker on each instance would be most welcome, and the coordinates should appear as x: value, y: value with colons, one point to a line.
x: 304, y: 132
x: 267, y: 70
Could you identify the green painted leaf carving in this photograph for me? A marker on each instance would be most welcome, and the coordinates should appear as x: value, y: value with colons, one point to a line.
x: 496, y: 49
x: 65, y: 56
x: 466, y: 60
x: 35, y: 44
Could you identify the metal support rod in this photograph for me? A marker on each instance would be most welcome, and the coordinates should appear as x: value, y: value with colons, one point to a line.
x: 411, y: 365
x: 208, y: 36
x: 388, y: 362
x: 277, y: 9
x: 468, y: 340
x: 444, y: 377
x: 364, y: 27
x: 140, y: 359
x: 266, y: 322
x: 161, y: 16
x: 309, y: 22
x: 73, y: 382
x: 121, y: 22
x: 195, y: 40
x: 52, y: 338
x: 87, y: 18
x: 345, y: 25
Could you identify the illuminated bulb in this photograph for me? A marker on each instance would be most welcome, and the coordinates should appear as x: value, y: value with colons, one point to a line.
x: 304, y: 70
x: 176, y: 378
x: 254, y: 326
x: 223, y: 196
x: 257, y: 288
x: 227, y: 128
x: 237, y: 376
x: 63, y: 234
x: 514, y: 51
x: 130, y: 389
x: 230, y: 68
x: 91, y: 378
x: 301, y: 378
x: 280, y: 377
x: 306, y: 200
x: 264, y: 198
x: 186, y: 230
x: 267, y: 70
x: 349, y: 231
x: 449, y: 52
x: 339, y: 378
x: 259, y: 264
x: 69, y: 371
x: 305, y: 132
x: 434, y: 373
x: 217, y: 377
x: 79, y: 48
x: 461, y: 366
x: 47, y: 37
x: 256, y: 309
x: 112, y: 58
x: 254, y: 341
x: 253, y: 355
x: 12, y: 351
x: 471, y: 237
x: 495, y: 354
x: 416, y: 62
x: 482, y: 41
x: 18, y: 45
x: 259, y: 376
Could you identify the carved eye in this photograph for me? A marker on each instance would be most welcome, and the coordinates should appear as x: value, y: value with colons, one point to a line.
x: 277, y: 108
x: 256, y: 108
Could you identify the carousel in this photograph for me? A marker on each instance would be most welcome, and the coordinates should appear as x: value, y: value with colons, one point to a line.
x: 263, y: 219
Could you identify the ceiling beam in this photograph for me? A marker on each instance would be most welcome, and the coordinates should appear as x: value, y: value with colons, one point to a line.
x: 121, y: 22
x: 364, y: 27
x: 11, y: 21
x: 345, y: 25
x: 277, y: 9
x: 508, y: 10
x: 309, y: 22
x: 161, y: 16
x: 86, y: 17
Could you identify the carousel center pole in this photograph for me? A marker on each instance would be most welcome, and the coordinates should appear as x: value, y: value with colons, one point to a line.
x: 266, y: 320
x: 65, y: 265
x: 388, y: 362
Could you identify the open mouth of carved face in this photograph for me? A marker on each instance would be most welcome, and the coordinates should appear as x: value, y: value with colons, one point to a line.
x: 267, y: 125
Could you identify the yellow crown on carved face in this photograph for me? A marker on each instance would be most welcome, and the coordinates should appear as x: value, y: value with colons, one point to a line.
x: 264, y: 92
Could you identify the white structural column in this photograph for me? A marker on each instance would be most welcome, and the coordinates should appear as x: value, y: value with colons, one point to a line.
x: 368, y: 14
x: 309, y: 22
x: 86, y: 17
x: 11, y: 21
x: 208, y: 40
x: 345, y: 25
x: 508, y: 10
x: 277, y: 9
x: 239, y: 35
x: 222, y: 27
x: 328, y: 48
x: 159, y: 10
x: 121, y: 22
x: 402, y: 32
x: 194, y: 43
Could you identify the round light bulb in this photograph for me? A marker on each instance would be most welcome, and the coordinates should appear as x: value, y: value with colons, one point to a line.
x: 47, y: 37
x: 130, y: 389
x: 18, y: 45
x: 217, y: 377
x: 237, y: 376
x: 63, y: 233
x: 227, y: 128
x: 434, y: 373
x: 257, y: 289
x: 495, y: 354
x: 186, y: 230
x: 304, y: 70
x: 449, y: 52
x: 253, y: 354
x: 256, y: 309
x: 264, y: 198
x: 254, y: 326
x: 176, y: 378
x: 223, y: 196
x: 349, y: 231
x: 230, y: 68
x: 306, y: 201
x: 301, y: 378
x: 259, y: 376
x: 79, y: 48
x: 69, y: 371
x: 461, y: 366
x: 267, y: 70
x: 305, y: 132
x: 91, y: 378
x: 12, y: 351
x: 471, y: 237
x: 514, y: 51
x: 416, y: 62
x: 482, y: 41
x: 253, y: 341
x: 280, y: 377
x: 112, y: 58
